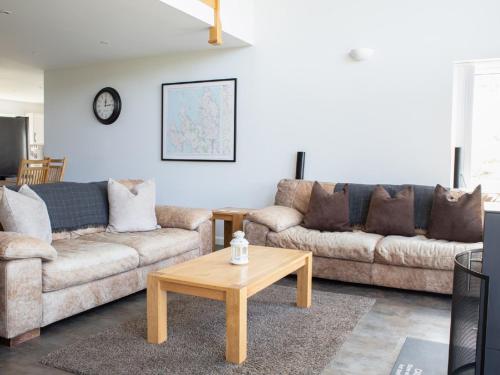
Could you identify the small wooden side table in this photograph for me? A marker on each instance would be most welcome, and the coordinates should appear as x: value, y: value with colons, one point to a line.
x: 233, y: 221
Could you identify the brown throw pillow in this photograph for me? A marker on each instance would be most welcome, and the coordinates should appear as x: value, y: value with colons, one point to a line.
x: 328, y: 211
x: 456, y: 219
x: 391, y: 216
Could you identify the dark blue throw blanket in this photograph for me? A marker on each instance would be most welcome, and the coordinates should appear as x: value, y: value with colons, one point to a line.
x: 74, y: 205
x: 360, y: 195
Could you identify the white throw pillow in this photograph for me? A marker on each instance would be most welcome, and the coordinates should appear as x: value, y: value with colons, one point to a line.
x: 25, y: 212
x: 132, y: 210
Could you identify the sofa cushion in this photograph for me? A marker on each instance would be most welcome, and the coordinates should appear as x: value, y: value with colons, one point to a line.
x: 26, y: 213
x: 152, y: 246
x: 276, y: 218
x: 391, y: 215
x: 296, y: 193
x: 132, y: 209
x: 79, y: 261
x: 328, y: 211
x: 357, y: 245
x: 420, y: 252
x: 456, y: 218
x: 70, y: 234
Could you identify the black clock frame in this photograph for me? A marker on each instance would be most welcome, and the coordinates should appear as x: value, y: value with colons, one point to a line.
x: 116, y: 111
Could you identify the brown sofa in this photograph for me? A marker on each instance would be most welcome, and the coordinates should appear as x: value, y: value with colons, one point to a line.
x: 415, y: 263
x: 89, y: 267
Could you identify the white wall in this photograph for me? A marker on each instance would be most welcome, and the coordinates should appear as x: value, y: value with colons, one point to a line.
x: 387, y: 120
x: 238, y: 18
x: 16, y: 108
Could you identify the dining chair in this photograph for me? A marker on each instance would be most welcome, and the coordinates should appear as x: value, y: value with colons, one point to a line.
x: 32, y: 172
x: 57, y: 167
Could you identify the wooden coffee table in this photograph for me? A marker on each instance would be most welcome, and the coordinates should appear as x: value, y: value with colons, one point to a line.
x: 212, y: 276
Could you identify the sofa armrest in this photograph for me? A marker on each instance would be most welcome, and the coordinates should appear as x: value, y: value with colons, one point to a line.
x: 255, y: 233
x: 20, y: 296
x: 276, y: 218
x: 205, y: 231
x: 181, y: 217
x: 19, y: 246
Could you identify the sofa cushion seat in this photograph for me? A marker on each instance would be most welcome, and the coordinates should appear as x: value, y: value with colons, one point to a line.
x: 420, y: 252
x: 358, y: 246
x: 79, y: 261
x: 152, y: 246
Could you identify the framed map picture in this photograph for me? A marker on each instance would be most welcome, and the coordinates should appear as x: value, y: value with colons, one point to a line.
x: 199, y: 121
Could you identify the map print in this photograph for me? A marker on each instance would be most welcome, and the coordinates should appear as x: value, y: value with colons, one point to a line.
x: 198, y: 121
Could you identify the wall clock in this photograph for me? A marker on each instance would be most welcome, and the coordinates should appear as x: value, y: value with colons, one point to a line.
x: 107, y: 105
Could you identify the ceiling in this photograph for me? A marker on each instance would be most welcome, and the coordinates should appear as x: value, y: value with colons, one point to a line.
x: 49, y: 34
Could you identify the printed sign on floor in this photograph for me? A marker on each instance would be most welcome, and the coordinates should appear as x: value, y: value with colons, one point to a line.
x: 421, y: 357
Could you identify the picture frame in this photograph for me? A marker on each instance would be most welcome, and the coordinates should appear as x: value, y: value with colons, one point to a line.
x: 198, y: 120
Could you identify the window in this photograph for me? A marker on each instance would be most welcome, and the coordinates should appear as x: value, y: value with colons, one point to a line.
x: 476, y: 123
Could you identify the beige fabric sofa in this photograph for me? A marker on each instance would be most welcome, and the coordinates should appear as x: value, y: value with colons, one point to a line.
x: 92, y: 267
x: 415, y: 263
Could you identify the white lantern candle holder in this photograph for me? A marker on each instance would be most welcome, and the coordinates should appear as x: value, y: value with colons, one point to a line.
x: 239, y: 248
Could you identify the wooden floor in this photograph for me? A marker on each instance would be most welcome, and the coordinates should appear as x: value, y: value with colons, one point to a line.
x: 371, y: 349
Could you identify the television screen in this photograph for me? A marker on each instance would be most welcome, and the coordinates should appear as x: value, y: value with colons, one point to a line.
x: 13, y: 144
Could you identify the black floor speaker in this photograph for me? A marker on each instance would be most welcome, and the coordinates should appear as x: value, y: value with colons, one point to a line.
x: 457, y: 167
x: 299, y: 170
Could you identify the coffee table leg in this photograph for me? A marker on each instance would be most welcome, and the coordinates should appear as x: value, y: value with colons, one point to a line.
x: 304, y: 283
x: 157, y: 312
x: 236, y: 325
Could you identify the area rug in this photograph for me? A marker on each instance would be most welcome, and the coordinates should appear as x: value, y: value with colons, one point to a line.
x: 282, y: 338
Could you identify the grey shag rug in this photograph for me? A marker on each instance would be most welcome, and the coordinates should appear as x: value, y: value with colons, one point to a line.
x: 282, y: 338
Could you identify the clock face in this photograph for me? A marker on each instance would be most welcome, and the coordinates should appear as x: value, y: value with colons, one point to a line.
x: 107, y: 105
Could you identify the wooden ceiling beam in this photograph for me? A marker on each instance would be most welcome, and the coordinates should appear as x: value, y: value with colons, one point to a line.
x: 215, y: 32
x: 210, y: 3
